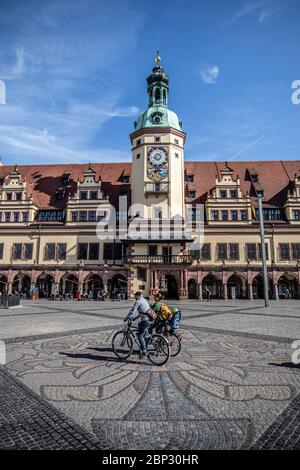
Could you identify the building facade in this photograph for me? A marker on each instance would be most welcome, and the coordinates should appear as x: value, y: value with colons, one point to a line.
x: 64, y: 228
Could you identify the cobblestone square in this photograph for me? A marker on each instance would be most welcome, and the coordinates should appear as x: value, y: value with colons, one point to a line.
x: 233, y: 386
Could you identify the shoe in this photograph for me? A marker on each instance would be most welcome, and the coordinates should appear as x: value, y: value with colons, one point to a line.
x: 142, y: 354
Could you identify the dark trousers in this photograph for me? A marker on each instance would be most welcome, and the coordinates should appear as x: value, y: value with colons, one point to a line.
x: 142, y: 330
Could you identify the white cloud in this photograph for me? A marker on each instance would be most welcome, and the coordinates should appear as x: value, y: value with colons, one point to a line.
x: 246, y: 147
x: 264, y: 15
x: 33, y: 146
x: 247, y: 10
x: 210, y: 75
x: 62, y: 86
x: 262, y: 11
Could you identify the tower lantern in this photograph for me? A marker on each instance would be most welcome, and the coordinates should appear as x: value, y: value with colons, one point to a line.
x: 158, y: 85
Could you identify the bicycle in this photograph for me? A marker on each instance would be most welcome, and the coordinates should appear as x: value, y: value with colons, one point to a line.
x: 158, y: 350
x: 174, y: 339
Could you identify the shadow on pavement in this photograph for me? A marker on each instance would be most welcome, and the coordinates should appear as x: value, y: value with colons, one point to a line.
x: 285, y: 364
x: 96, y: 357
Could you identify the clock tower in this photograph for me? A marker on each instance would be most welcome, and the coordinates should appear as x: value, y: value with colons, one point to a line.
x: 157, y: 255
x: 158, y: 153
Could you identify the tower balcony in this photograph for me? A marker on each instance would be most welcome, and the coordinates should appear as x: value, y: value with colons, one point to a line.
x: 156, y: 187
x: 158, y: 259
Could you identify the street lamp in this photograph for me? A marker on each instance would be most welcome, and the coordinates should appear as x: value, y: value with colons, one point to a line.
x: 260, y: 197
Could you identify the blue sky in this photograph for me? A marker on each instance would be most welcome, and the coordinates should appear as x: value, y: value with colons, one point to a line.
x: 75, y: 77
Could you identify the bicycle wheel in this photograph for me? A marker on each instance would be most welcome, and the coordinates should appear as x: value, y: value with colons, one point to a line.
x: 175, y: 344
x: 122, y: 345
x: 158, y: 350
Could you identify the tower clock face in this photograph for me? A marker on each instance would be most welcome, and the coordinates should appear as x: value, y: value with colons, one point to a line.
x: 157, y: 157
x: 157, y: 163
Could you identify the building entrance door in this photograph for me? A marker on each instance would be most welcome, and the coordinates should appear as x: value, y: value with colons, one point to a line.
x: 171, y: 287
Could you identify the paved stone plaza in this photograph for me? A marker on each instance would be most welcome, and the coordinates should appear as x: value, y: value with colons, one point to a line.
x: 233, y: 385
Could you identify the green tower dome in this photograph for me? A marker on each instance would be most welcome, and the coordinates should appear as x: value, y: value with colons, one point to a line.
x: 158, y: 114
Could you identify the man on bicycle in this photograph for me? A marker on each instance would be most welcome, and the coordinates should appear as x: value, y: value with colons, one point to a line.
x: 143, y: 310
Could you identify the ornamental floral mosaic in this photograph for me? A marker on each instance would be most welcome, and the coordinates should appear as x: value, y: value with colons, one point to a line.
x: 221, y: 391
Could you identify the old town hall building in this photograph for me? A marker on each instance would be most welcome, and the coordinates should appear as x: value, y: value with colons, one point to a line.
x: 52, y: 218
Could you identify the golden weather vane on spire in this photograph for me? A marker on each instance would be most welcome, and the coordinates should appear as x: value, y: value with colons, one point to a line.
x: 157, y: 59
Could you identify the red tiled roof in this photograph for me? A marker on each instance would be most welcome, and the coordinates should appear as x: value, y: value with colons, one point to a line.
x: 275, y: 176
x: 45, y: 181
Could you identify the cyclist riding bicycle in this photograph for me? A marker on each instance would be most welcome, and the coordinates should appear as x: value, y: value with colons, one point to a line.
x: 147, y: 317
x: 167, y: 323
x: 162, y: 311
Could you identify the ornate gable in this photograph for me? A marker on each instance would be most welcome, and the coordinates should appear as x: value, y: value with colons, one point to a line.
x: 226, y: 200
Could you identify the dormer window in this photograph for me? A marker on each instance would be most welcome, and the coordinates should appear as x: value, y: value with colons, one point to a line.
x: 82, y: 216
x: 224, y: 215
x: 65, y: 180
x: 156, y: 118
x: 74, y: 216
x: 94, y: 195
x: 296, y: 215
x: 83, y: 195
x: 243, y: 215
x: 234, y: 215
x: 214, y: 215
x: 223, y: 193
x: 233, y: 194
x: 190, y: 178
x: 125, y: 179
x: 192, y: 194
x: 92, y: 216
x: 253, y: 175
x: 9, y: 196
x: 18, y: 196
x: 59, y: 196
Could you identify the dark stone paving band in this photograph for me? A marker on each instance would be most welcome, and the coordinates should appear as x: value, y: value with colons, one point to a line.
x: 27, y: 421
x: 278, y: 339
x: 275, y: 339
x: 20, y: 339
x: 284, y: 432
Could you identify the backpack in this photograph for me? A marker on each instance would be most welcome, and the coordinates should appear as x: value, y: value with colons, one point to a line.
x: 175, y: 320
x: 165, y: 312
x: 151, y: 314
